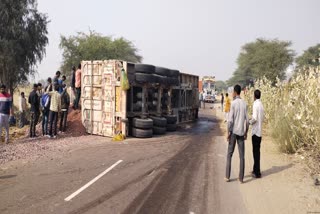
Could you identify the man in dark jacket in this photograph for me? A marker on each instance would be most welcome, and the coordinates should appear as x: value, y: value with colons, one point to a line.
x: 34, y: 101
x: 73, y: 84
x: 65, y: 103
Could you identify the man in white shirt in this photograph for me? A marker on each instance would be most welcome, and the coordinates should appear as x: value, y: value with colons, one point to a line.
x: 256, y: 122
x: 22, y: 109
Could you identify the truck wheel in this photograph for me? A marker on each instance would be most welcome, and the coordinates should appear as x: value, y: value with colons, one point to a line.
x: 159, y: 121
x: 162, y: 71
x: 144, y: 78
x: 139, y: 95
x: 157, y: 78
x: 171, y: 119
x: 172, y: 127
x: 144, y: 68
x: 175, y: 81
x: 136, y: 107
x: 159, y: 130
x: 172, y: 81
x: 142, y: 123
x: 142, y: 133
x: 174, y: 73
x: 164, y: 80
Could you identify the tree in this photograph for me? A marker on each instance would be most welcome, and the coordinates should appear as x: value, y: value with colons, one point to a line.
x: 310, y: 57
x: 23, y: 37
x: 94, y: 46
x: 221, y: 86
x: 269, y: 58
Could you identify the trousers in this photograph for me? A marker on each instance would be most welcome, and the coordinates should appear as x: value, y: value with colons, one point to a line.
x: 232, y: 143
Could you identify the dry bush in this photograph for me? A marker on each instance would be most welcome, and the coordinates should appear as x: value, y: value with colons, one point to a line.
x: 292, y: 113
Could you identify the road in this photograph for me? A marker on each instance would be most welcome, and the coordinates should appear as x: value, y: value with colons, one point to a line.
x: 179, y: 173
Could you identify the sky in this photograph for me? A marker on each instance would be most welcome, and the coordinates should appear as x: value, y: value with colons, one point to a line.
x: 201, y: 37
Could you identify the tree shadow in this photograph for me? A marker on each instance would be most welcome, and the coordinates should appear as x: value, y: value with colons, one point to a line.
x: 7, y: 176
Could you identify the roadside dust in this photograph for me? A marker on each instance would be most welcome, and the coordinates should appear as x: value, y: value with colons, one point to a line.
x: 22, y: 147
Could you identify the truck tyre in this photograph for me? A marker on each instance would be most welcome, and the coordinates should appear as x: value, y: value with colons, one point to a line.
x: 144, y: 78
x: 172, y: 127
x: 155, y: 95
x: 174, y: 81
x: 174, y: 73
x: 139, y: 95
x: 164, y: 80
x: 144, y: 68
x: 171, y: 119
x: 162, y: 71
x: 142, y: 123
x: 142, y: 133
x: 159, y: 121
x: 159, y: 130
x: 157, y: 78
x: 136, y: 107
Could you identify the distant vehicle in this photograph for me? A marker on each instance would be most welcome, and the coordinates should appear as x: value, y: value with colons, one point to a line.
x: 210, y: 98
x: 208, y: 88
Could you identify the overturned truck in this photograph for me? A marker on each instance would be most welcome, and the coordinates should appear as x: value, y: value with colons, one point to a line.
x: 157, y: 100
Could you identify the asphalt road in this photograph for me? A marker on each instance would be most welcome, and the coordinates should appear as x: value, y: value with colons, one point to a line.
x: 179, y: 173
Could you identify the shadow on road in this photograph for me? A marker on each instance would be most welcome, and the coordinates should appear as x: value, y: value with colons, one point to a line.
x: 276, y: 169
x: 272, y: 170
x: 7, y: 176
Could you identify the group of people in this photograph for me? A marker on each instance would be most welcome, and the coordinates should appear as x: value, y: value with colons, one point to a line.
x: 51, y: 103
x: 238, y: 126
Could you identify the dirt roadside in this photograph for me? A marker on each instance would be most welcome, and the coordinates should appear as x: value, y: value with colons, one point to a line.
x: 285, y: 186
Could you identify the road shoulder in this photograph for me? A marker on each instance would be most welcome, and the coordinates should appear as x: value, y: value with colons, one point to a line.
x: 285, y: 186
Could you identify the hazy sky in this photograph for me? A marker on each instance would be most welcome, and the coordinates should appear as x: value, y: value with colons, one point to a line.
x: 201, y: 37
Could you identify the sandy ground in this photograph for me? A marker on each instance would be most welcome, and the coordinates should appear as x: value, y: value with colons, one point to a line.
x: 285, y: 186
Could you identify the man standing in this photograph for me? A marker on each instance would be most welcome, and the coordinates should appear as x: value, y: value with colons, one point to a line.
x: 78, y: 87
x: 49, y: 86
x: 34, y: 101
x: 72, y: 84
x: 61, y: 83
x: 5, y: 111
x: 65, y: 102
x: 227, y: 107
x: 56, y: 79
x: 200, y: 99
x: 55, y: 108
x: 238, y: 125
x: 222, y: 101
x: 22, y: 109
x: 256, y: 122
x: 45, y: 107
x: 40, y: 89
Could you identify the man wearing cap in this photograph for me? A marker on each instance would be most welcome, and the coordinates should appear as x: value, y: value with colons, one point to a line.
x: 34, y: 101
x: 5, y: 111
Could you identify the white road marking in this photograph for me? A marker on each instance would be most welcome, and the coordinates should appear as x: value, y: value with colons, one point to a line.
x: 192, y: 213
x: 92, y: 181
